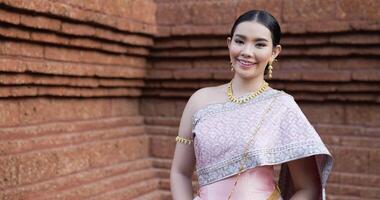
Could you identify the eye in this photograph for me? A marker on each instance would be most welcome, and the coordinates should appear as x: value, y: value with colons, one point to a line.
x: 237, y: 41
x: 261, y: 45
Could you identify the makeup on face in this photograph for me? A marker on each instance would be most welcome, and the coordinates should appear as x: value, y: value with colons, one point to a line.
x: 251, y: 46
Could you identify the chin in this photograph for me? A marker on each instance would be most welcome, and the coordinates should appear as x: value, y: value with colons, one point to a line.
x: 247, y: 75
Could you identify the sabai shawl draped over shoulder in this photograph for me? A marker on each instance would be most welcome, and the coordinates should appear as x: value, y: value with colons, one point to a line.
x: 222, y: 131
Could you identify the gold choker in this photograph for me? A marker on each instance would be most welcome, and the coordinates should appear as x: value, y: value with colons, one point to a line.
x: 262, y: 88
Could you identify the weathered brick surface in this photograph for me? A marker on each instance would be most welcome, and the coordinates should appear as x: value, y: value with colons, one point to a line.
x: 91, y: 94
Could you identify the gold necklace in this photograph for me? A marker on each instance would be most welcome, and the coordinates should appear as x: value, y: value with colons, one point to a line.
x: 262, y: 88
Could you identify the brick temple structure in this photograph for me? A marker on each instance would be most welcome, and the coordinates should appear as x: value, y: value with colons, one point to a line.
x: 91, y: 92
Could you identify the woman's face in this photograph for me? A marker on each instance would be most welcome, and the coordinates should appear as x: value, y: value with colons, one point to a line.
x: 251, y: 49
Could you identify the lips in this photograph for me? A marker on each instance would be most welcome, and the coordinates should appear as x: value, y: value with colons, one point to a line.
x: 245, y: 63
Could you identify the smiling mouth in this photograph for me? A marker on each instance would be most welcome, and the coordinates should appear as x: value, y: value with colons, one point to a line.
x: 245, y: 63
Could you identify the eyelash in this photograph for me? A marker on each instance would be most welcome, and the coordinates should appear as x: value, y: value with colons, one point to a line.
x: 241, y: 42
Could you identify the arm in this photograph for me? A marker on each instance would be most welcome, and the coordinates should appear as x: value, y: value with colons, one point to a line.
x: 184, y: 158
x: 305, y: 178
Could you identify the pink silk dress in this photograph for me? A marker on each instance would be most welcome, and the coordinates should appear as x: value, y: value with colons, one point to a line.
x: 256, y: 183
x: 223, y: 132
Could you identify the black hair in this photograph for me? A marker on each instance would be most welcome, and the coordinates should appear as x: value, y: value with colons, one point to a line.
x: 264, y: 18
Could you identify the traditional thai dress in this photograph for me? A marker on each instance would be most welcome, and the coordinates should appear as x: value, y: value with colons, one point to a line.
x: 222, y: 132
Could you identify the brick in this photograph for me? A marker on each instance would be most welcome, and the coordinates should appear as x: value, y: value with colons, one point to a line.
x: 81, y: 180
x: 142, y: 11
x: 327, y: 27
x: 358, y: 159
x: 78, y: 29
x: 125, y: 38
x: 37, y: 166
x: 72, y: 160
x: 14, y: 33
x: 50, y: 141
x: 114, y: 151
x: 147, y: 107
x: 81, y: 42
x: 9, y: 110
x: 303, y: 10
x: 293, y: 28
x: 305, y: 40
x: 357, y: 10
x: 355, y: 39
x: 40, y: 22
x: 213, y: 64
x: 107, y: 185
x: 329, y: 51
x: 9, y: 172
x: 367, y: 75
x: 94, y: 5
x: 279, y: 74
x: 67, y: 126
x: 159, y: 147
x: 9, y: 17
x: 364, y: 115
x: 200, y: 13
x: 117, y: 8
x: 356, y: 179
x: 364, y: 26
x: 174, y: 14
x: 164, y: 108
x: 45, y: 110
x: 274, y: 7
x: 192, y: 74
x: 330, y: 113
x: 159, y: 74
x: 122, y: 107
x: 171, y: 64
x: 327, y: 75
x: 48, y: 37
x: 131, y: 192
x: 182, y: 30
x: 208, y: 43
x: 164, y: 121
x: 168, y: 43
x: 115, y: 48
x: 65, y: 54
x: 354, y: 64
x: 21, y: 49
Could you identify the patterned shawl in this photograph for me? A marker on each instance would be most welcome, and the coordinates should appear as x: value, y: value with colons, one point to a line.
x: 222, y: 131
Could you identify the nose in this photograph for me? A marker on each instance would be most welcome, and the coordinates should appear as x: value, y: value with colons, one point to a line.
x: 247, y: 51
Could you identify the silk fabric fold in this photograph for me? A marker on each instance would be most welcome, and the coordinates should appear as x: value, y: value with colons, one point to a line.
x: 222, y: 131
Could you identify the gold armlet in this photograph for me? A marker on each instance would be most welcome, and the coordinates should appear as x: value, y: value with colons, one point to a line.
x: 183, y: 140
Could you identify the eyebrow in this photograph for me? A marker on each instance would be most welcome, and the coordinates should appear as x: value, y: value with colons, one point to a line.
x: 257, y: 39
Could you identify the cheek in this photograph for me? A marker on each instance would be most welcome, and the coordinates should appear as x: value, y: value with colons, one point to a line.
x: 234, y: 49
x: 264, y: 55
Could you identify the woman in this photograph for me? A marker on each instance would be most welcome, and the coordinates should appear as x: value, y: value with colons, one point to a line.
x: 236, y: 132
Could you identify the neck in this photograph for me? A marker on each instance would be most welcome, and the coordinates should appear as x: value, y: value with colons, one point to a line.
x: 241, y: 86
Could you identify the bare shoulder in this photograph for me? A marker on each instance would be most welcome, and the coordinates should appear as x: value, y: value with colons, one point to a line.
x: 208, y: 95
x: 198, y: 99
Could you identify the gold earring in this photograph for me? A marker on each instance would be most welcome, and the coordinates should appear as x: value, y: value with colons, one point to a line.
x: 232, y: 66
x: 270, y: 67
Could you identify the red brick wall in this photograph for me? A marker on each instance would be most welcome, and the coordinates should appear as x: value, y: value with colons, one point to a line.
x: 91, y: 94
x: 329, y: 63
x: 71, y: 76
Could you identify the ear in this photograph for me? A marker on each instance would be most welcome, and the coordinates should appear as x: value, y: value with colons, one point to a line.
x: 276, y: 51
x: 229, y: 42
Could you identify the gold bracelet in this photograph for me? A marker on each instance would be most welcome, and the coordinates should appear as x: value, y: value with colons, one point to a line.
x: 183, y: 140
